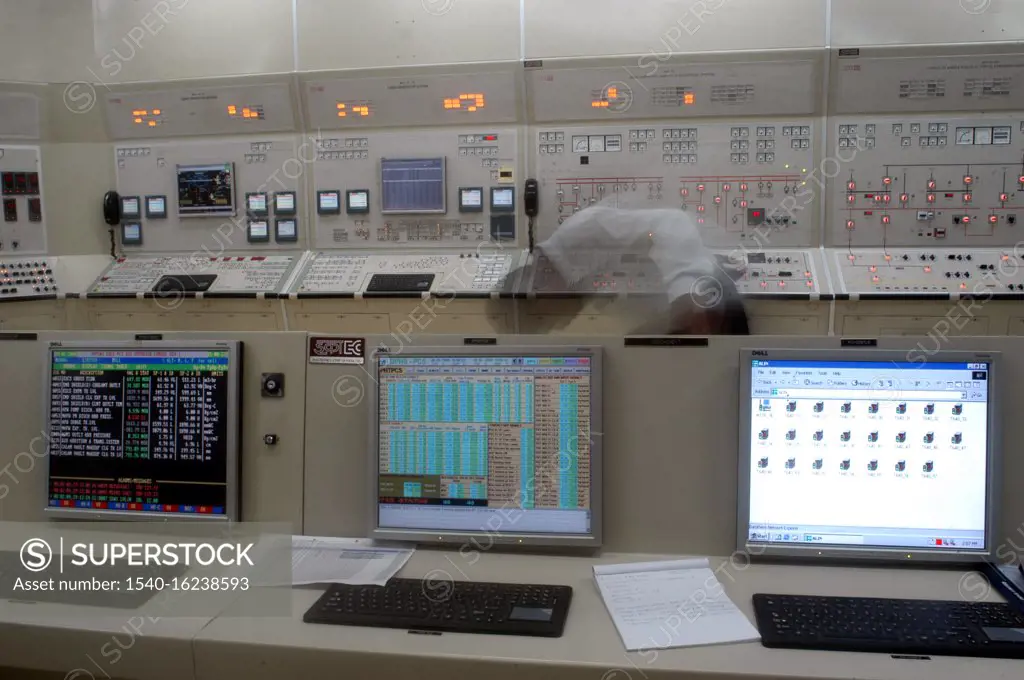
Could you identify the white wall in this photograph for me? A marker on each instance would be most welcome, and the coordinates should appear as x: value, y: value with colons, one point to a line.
x: 44, y: 40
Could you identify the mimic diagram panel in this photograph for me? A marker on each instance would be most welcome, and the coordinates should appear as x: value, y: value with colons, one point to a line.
x: 926, y: 180
x: 482, y: 270
x: 760, y: 272
x: 958, y: 271
x: 23, y: 229
x: 741, y: 182
x: 174, y: 274
x: 213, y: 196
x: 446, y: 187
x: 237, y: 110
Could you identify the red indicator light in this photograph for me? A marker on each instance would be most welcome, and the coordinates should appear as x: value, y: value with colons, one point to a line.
x: 968, y: 179
x: 490, y: 138
x: 993, y: 219
x: 718, y: 200
x: 726, y: 187
x: 851, y: 186
x: 967, y: 219
x: 700, y: 187
x: 700, y: 208
x: 885, y: 219
x: 904, y: 198
x: 967, y: 198
x: 684, y: 192
x: 927, y: 270
x: 931, y: 198
x: 887, y: 181
x: 931, y: 184
x: 851, y: 198
x: 849, y: 224
x: 886, y: 198
x: 1004, y: 197
x: 743, y: 187
x: 743, y: 204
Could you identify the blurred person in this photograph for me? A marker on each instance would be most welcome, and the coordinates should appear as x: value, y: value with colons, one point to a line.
x: 699, y: 293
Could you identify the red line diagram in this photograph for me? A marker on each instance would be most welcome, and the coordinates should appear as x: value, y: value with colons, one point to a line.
x: 725, y: 199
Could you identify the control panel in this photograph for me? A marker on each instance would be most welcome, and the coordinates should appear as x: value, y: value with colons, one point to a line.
x: 234, y: 274
x: 440, y: 188
x: 780, y: 272
x: 741, y: 182
x: 27, y: 278
x: 935, y: 180
x: 23, y: 228
x: 957, y: 271
x: 482, y: 270
x: 213, y: 196
x: 761, y: 272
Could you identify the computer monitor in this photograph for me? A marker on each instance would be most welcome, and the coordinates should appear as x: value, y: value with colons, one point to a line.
x: 143, y: 430
x: 497, y: 445
x: 885, y: 455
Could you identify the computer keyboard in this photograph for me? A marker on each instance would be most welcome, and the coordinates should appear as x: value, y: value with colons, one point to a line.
x: 400, y: 283
x: 458, y: 607
x: 891, y: 626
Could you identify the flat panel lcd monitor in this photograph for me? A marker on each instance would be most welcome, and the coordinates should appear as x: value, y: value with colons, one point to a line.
x: 413, y: 185
x: 143, y: 430
x: 502, y: 443
x: 884, y: 455
x: 206, y: 190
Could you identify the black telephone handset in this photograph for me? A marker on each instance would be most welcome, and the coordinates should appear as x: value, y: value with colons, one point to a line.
x: 112, y: 208
x: 531, y: 199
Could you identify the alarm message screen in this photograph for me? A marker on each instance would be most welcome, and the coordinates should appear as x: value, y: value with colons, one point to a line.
x: 858, y: 453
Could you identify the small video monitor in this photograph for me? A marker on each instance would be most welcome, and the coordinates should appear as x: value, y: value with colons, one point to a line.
x: 130, y: 208
x: 206, y: 190
x: 143, y: 430
x: 284, y: 203
x: 131, y: 234
x: 357, y: 201
x: 503, y: 199
x: 256, y: 204
x: 462, y: 438
x: 471, y: 199
x: 861, y: 428
x: 259, y: 231
x: 286, y: 230
x: 328, y: 202
x: 156, y: 207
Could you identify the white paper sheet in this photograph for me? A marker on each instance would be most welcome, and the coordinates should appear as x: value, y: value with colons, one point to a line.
x: 354, y: 561
x: 679, y: 603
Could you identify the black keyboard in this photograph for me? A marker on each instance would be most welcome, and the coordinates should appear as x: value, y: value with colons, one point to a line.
x: 400, y: 283
x: 891, y: 626
x: 458, y: 607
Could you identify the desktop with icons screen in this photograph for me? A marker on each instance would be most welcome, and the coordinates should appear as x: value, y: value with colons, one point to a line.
x: 504, y: 443
x: 143, y: 429
x: 871, y: 455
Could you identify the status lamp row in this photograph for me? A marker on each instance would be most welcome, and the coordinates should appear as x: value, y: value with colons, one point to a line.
x: 465, y: 102
x: 247, y: 112
x: 355, y: 110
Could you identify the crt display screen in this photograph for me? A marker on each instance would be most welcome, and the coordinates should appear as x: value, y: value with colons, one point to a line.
x: 863, y: 454
x: 136, y: 430
x: 466, y: 440
x: 206, y: 189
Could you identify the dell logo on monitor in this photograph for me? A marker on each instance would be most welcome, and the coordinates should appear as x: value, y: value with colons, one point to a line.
x: 760, y: 353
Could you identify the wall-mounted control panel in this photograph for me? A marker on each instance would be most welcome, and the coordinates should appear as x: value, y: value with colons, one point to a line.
x: 739, y: 181
x: 23, y: 225
x: 926, y: 180
x: 195, y: 273
x: 214, y: 196
x: 438, y: 188
x: 478, y: 271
